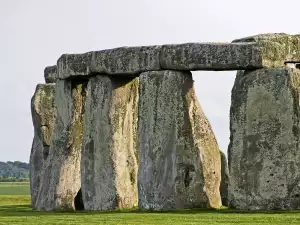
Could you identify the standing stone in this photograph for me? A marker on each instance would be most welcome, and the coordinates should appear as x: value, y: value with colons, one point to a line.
x: 263, y: 155
x: 109, y: 157
x: 179, y: 157
x: 224, y: 179
x: 61, y: 177
x: 43, y: 117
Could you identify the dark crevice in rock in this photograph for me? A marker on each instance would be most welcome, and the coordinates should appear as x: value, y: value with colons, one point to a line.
x: 187, y: 176
x: 78, y: 202
x: 132, y: 177
x: 46, y: 152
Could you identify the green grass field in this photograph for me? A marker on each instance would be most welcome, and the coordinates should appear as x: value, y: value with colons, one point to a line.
x: 15, y: 209
x: 14, y: 188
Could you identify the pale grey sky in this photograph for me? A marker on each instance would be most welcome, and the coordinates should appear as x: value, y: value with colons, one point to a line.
x: 34, y: 33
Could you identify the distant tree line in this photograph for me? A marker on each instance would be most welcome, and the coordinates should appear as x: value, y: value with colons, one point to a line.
x: 14, y: 171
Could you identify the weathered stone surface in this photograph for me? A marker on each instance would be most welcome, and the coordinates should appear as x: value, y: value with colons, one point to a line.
x: 43, y: 117
x: 211, y: 56
x: 61, y: 176
x: 224, y: 179
x: 50, y: 74
x: 109, y: 156
x: 263, y: 155
x: 69, y: 65
x: 126, y: 60
x: 264, y: 50
x: 179, y: 157
x: 276, y: 48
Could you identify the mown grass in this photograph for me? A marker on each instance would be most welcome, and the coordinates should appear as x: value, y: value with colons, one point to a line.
x: 15, y: 209
x: 14, y: 188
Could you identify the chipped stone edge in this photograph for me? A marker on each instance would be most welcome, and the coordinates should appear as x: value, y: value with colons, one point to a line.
x: 50, y: 74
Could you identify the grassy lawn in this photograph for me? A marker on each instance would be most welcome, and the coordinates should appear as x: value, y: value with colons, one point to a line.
x: 15, y: 209
x: 14, y: 188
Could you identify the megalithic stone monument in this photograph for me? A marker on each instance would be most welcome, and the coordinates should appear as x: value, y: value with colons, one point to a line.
x: 125, y: 128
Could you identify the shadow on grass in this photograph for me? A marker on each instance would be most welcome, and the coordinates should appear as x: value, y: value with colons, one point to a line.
x: 25, y: 210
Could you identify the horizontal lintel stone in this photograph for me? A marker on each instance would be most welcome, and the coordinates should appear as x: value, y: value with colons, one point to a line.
x: 126, y: 60
x: 69, y: 65
x: 211, y: 56
x: 265, y: 50
x: 276, y: 48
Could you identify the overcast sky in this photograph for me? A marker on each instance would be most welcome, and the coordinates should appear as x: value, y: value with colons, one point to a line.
x: 34, y: 33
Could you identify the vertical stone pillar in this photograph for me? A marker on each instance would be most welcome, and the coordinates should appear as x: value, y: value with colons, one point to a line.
x: 61, y: 176
x: 43, y: 112
x: 109, y: 157
x: 179, y: 157
x: 263, y: 155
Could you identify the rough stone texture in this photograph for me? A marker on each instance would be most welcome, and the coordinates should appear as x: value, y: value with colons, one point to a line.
x: 179, y: 157
x: 224, y: 179
x: 109, y: 156
x: 61, y: 176
x: 263, y: 155
x: 126, y: 60
x: 69, y: 65
x: 211, y: 56
x: 43, y: 117
x: 264, y: 50
x: 276, y: 48
x: 50, y: 74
